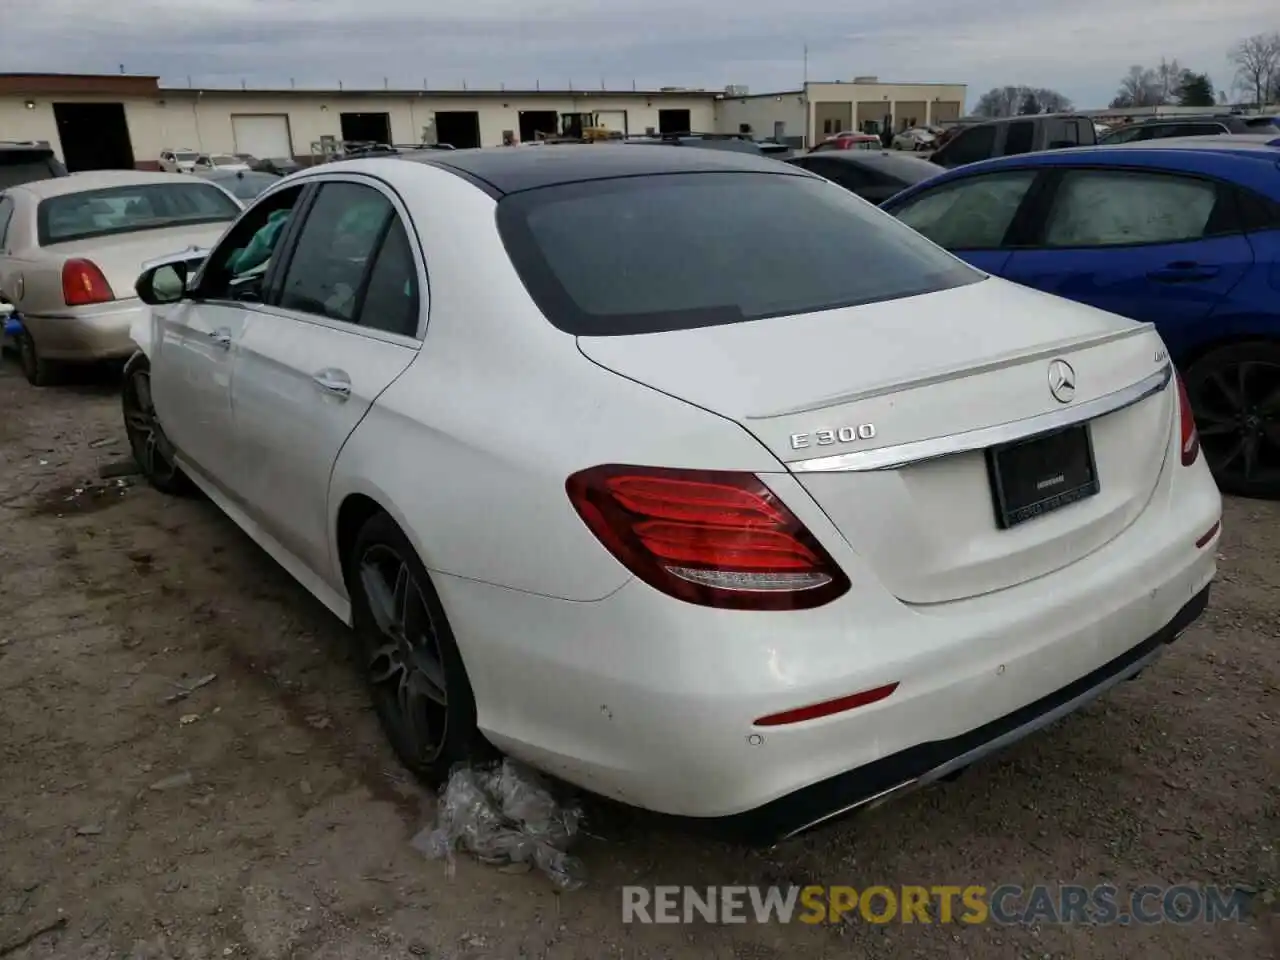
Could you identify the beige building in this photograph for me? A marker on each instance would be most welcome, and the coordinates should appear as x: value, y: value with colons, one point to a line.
x: 121, y: 121
x: 818, y: 110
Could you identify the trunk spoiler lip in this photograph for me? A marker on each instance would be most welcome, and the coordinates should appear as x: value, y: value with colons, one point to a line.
x: 928, y: 378
x: 899, y: 455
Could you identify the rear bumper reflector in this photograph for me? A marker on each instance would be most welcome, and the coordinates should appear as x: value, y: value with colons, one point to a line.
x: 827, y: 707
x: 1209, y: 534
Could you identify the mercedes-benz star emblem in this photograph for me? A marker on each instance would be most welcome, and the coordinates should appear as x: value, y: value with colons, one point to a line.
x: 1062, y: 381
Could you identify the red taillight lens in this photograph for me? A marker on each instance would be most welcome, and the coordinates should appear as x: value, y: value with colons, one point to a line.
x: 83, y: 283
x: 1187, y: 423
x: 713, y: 538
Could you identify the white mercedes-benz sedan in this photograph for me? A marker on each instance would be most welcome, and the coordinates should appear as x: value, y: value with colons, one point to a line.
x: 683, y: 475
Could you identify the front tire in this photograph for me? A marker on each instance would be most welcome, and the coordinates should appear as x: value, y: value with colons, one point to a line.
x: 411, y: 662
x: 1235, y: 395
x: 151, y: 448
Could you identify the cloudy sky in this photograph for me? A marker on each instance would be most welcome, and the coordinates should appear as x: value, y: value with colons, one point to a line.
x: 1079, y: 48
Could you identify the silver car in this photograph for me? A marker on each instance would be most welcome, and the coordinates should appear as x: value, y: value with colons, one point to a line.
x: 71, y: 249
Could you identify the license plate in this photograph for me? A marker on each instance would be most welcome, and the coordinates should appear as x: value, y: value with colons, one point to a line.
x: 1033, y: 477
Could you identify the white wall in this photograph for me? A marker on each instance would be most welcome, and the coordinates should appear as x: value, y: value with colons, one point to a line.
x: 762, y: 112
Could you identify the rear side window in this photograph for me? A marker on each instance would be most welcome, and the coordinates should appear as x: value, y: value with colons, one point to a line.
x: 6, y: 214
x: 970, y: 214
x: 1020, y: 137
x: 646, y: 254
x: 391, y: 292
x: 1099, y: 208
x: 974, y: 144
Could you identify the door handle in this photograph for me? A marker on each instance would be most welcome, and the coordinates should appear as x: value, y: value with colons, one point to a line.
x: 333, y: 382
x: 1183, y: 271
x: 221, y: 338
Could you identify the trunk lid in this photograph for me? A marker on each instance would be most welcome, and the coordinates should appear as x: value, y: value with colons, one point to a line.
x: 120, y: 257
x: 885, y: 375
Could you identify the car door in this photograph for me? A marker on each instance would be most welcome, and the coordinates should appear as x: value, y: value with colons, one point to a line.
x: 973, y: 217
x: 344, y: 320
x: 1151, y: 245
x: 197, y: 340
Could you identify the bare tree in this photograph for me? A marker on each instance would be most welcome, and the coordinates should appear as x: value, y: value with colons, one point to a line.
x: 1140, y: 87
x: 1257, y: 63
x: 1010, y: 100
x: 1169, y: 79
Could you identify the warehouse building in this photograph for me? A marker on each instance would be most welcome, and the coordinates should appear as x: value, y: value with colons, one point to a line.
x: 818, y: 110
x: 121, y: 121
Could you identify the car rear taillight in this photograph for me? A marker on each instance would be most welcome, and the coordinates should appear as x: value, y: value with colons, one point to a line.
x: 714, y: 538
x: 1187, y: 424
x: 83, y: 283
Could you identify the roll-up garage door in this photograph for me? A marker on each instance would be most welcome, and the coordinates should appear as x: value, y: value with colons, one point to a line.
x: 264, y: 135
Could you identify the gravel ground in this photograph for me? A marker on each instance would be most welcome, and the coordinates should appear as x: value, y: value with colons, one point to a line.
x: 263, y: 816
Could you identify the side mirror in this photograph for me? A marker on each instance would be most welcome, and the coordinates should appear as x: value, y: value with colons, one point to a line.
x: 163, y: 284
x: 167, y: 279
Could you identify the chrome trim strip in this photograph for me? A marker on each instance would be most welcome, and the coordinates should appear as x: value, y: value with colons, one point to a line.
x: 991, y: 746
x: 998, y: 362
x: 918, y: 451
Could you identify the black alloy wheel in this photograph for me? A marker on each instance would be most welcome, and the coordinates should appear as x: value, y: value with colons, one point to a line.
x: 412, y: 665
x: 1235, y: 395
x: 151, y: 448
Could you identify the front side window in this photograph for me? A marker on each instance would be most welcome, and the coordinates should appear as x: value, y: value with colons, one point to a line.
x: 1100, y: 208
x: 671, y: 252
x: 115, y: 210
x: 238, y: 266
x: 970, y: 214
x: 343, y: 230
x: 1124, y: 135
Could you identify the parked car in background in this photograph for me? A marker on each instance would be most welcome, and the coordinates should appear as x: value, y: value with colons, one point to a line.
x: 886, y: 514
x: 849, y: 141
x: 916, y: 138
x: 875, y: 176
x: 1182, y: 234
x: 243, y: 184
x: 1010, y: 136
x: 280, y: 166
x: 248, y: 159
x: 218, y: 161
x: 178, y: 161
x: 22, y: 161
x: 71, y: 249
x: 1197, y: 126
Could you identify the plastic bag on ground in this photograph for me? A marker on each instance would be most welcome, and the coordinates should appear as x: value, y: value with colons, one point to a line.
x: 505, y: 813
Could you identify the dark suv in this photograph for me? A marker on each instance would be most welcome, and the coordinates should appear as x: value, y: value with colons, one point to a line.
x: 1191, y: 127
x: 1011, y: 135
x: 22, y: 162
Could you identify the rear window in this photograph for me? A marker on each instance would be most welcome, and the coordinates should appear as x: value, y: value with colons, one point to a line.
x: 24, y: 166
x: 100, y: 213
x: 902, y: 167
x: 673, y: 252
x: 185, y: 155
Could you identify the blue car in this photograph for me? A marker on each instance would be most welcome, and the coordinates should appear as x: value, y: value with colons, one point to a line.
x: 1184, y: 234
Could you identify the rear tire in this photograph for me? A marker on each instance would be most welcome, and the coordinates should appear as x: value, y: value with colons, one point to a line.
x: 38, y: 371
x: 151, y: 448
x: 410, y: 660
x: 1235, y: 395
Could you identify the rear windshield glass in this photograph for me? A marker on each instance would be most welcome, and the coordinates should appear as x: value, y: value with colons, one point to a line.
x: 247, y: 185
x: 18, y: 167
x: 672, y: 252
x: 99, y: 213
x: 184, y: 155
x: 902, y: 167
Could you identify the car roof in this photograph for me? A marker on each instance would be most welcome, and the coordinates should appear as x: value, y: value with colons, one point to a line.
x: 99, y: 180
x: 503, y: 170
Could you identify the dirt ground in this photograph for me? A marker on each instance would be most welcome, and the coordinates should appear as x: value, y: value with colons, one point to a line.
x: 263, y: 815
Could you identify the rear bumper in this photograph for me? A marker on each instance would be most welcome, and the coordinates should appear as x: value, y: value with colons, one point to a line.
x: 100, y: 332
x: 901, y: 773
